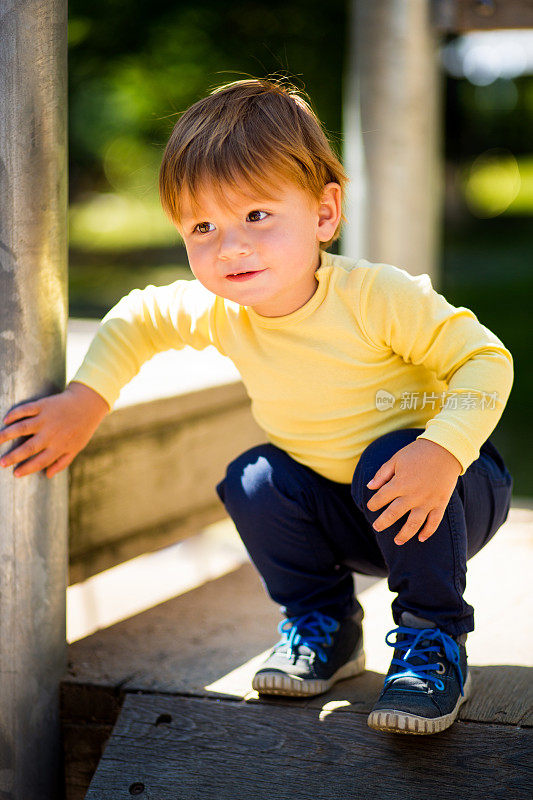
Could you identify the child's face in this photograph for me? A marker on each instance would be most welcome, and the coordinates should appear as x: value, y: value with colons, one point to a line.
x: 277, y: 242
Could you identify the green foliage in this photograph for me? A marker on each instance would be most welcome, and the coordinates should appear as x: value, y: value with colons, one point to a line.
x: 498, y: 183
x: 135, y: 65
x: 119, y: 221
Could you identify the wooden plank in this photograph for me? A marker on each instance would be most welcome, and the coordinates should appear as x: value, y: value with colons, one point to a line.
x: 461, y: 16
x: 501, y: 694
x: 182, y: 645
x: 83, y: 746
x: 88, y: 714
x: 180, y: 748
x: 85, y: 702
x: 109, y: 552
x: 147, y: 478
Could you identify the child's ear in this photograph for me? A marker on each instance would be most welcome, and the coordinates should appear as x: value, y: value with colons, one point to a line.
x: 329, y: 211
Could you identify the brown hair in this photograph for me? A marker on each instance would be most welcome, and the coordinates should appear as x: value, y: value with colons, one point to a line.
x: 252, y: 131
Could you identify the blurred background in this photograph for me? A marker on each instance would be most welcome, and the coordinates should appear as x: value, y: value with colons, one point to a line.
x: 135, y: 65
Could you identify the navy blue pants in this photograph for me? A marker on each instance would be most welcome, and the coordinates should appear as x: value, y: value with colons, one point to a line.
x: 307, y: 534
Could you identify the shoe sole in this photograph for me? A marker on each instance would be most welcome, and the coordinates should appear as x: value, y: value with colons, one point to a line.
x: 395, y: 721
x: 275, y: 682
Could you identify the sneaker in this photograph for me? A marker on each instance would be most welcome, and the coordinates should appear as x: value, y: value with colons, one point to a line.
x: 426, y: 684
x: 315, y: 652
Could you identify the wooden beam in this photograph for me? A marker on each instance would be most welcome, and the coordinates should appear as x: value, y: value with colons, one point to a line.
x: 147, y: 478
x: 461, y: 16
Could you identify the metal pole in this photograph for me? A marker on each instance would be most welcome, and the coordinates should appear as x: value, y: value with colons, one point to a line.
x: 33, y: 318
x: 392, y: 124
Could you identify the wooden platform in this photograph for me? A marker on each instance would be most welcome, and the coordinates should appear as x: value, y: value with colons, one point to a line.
x: 184, y: 747
x: 173, y: 685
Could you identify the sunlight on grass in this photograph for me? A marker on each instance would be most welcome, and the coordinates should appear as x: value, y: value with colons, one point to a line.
x: 497, y: 183
x: 119, y: 221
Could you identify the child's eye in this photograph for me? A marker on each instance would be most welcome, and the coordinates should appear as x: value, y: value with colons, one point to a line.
x: 253, y: 213
x: 200, y: 225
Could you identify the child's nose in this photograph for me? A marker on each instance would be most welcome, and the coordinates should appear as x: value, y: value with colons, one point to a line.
x: 233, y: 245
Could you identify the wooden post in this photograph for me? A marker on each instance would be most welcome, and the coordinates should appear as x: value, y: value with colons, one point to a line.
x: 33, y: 317
x: 392, y: 123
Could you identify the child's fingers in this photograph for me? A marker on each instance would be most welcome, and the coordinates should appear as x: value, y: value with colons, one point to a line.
x: 30, y: 448
x: 60, y: 464
x: 24, y: 410
x: 385, y: 473
x: 392, y: 514
x: 432, y: 523
x: 412, y: 526
x: 14, y: 431
x: 42, y: 460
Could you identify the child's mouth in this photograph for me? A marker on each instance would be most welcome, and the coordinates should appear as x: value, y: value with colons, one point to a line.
x: 244, y: 276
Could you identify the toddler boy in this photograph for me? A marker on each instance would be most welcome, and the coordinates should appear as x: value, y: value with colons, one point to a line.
x: 376, y: 395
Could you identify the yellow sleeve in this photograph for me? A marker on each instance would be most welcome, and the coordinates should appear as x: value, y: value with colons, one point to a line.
x: 404, y: 313
x: 145, y: 322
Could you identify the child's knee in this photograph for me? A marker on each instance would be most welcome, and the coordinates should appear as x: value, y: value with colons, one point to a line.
x: 247, y: 475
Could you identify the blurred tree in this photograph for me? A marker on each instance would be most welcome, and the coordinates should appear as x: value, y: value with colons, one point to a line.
x: 135, y: 64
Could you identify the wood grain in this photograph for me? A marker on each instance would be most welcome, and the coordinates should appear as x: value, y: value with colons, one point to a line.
x: 183, y: 748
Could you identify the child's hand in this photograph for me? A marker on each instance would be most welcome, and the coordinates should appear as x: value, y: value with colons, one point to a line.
x: 419, y: 478
x: 58, y: 427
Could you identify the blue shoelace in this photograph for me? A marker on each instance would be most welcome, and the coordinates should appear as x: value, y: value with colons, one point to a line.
x: 313, y: 630
x: 413, y: 647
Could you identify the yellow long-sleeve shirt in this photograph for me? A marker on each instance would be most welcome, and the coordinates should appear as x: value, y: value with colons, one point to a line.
x: 375, y: 349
